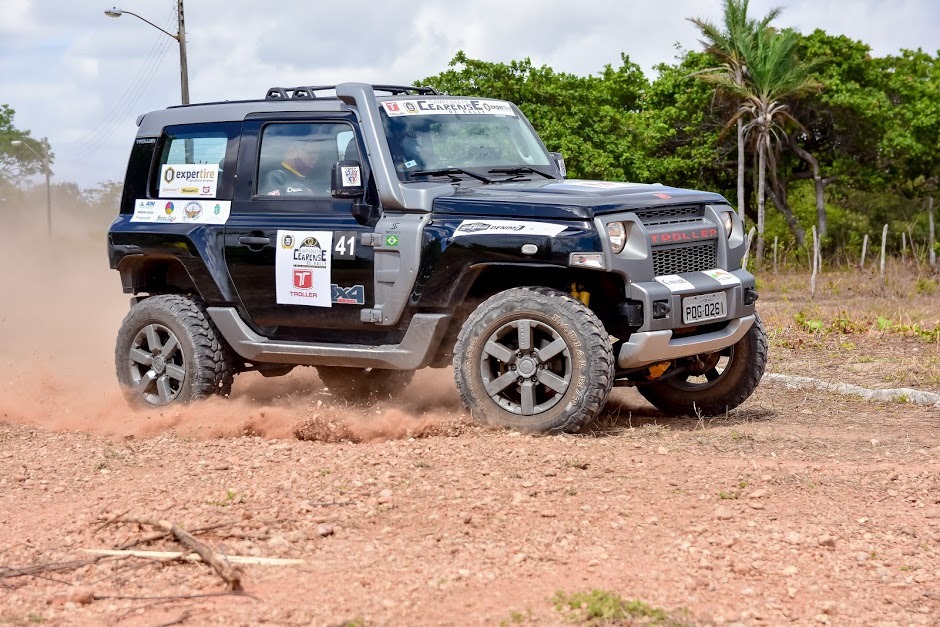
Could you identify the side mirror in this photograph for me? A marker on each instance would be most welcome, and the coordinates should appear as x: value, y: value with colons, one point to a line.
x: 346, y: 179
x: 559, y: 163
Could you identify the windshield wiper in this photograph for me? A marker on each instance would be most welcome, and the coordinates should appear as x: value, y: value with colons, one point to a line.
x: 519, y: 170
x: 453, y: 173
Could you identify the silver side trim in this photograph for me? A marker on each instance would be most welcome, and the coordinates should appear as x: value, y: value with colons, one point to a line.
x: 654, y: 346
x: 394, y: 195
x: 416, y: 350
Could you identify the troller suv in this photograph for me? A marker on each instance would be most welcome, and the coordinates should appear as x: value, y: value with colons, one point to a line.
x: 384, y: 229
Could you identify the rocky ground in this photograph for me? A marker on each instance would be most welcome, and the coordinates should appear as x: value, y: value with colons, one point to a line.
x: 799, y: 507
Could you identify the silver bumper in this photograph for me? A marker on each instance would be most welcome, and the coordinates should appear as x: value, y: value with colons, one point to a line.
x: 648, y: 347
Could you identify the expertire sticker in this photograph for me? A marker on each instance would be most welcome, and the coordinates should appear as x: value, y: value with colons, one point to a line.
x: 181, y: 211
x: 508, y: 227
x: 188, y: 180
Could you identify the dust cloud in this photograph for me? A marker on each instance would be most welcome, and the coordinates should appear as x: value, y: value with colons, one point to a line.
x: 60, y: 310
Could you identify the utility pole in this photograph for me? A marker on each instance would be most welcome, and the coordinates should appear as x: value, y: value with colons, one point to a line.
x: 45, y: 166
x: 184, y: 64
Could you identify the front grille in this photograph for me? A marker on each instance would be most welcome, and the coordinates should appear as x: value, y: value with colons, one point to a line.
x: 690, y: 258
x: 670, y: 215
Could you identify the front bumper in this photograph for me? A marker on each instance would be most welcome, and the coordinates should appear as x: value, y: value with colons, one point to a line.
x: 655, y: 346
x: 654, y: 341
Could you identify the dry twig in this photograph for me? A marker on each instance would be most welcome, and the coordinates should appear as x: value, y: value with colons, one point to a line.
x: 230, y: 574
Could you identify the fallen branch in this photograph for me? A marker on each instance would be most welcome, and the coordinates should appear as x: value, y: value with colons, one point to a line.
x: 159, y: 535
x: 231, y: 575
x: 39, y: 569
x: 191, y: 557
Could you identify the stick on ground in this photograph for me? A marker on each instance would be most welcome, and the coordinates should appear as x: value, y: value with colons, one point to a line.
x: 231, y: 575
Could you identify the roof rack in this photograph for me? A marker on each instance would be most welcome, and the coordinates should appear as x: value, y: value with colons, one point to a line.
x: 308, y: 92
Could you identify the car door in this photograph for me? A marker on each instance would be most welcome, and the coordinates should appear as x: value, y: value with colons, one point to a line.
x: 294, y: 252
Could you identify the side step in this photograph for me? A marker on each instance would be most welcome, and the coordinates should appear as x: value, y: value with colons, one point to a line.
x: 416, y: 350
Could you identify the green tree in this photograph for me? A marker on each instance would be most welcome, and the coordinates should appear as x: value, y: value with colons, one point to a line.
x: 774, y: 75
x: 730, y: 44
x: 593, y: 120
x: 17, y: 162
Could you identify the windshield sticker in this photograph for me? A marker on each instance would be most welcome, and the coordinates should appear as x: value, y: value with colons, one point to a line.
x: 725, y: 278
x: 181, y: 180
x: 674, y: 282
x: 181, y: 211
x: 302, y: 268
x: 508, y: 227
x: 439, y: 106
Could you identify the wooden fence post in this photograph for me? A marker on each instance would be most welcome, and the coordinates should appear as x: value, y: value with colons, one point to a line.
x: 861, y: 264
x: 775, y: 253
x: 812, y: 278
x: 884, y: 247
x: 903, y: 245
x: 747, y: 247
x: 931, y: 242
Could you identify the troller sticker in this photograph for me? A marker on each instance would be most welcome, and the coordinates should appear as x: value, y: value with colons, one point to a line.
x: 302, y: 268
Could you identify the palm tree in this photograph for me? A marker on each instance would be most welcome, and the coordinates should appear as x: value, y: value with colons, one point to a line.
x: 774, y: 74
x: 730, y: 43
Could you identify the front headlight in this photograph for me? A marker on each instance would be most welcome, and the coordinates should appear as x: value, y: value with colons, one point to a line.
x: 727, y: 221
x: 617, y: 235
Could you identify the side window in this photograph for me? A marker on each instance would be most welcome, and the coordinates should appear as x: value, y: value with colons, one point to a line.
x: 196, y: 161
x: 296, y: 159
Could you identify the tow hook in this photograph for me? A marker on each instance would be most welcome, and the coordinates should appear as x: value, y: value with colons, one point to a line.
x: 657, y: 370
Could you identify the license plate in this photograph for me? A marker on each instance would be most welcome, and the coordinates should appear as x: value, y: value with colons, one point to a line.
x: 704, y: 307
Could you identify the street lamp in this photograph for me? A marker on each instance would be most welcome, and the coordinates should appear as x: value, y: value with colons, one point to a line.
x: 45, y: 166
x: 180, y: 37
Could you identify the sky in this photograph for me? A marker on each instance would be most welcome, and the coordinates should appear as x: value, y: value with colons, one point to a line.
x: 80, y: 78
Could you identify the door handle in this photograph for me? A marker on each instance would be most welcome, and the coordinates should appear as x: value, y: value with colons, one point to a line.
x: 252, y: 240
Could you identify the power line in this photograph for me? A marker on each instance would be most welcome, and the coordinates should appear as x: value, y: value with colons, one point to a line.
x: 103, y: 131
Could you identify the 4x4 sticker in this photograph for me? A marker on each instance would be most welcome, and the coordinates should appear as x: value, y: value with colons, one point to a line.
x: 302, y: 268
x: 186, y: 181
x: 181, y: 211
x: 355, y: 295
x: 508, y: 227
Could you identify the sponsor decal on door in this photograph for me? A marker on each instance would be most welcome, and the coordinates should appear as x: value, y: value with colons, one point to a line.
x: 303, y: 267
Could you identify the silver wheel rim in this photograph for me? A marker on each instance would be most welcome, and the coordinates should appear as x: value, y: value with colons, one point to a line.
x: 715, y: 370
x: 526, y: 367
x: 156, y: 366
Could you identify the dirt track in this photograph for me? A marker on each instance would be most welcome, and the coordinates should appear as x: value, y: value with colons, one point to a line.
x: 799, y: 507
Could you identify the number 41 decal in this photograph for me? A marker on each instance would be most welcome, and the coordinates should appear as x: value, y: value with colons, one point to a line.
x: 344, y: 247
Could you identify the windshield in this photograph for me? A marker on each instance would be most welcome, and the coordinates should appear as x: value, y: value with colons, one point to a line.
x: 462, y: 139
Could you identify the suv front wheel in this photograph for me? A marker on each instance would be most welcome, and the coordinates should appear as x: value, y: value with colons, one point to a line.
x: 534, y: 359
x: 168, y: 351
x: 716, y: 382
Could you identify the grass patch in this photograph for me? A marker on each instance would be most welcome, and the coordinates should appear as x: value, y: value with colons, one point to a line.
x: 602, y: 607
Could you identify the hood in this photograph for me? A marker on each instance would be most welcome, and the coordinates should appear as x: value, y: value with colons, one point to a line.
x: 566, y: 199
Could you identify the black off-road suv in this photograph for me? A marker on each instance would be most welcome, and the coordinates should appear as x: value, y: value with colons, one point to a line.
x: 373, y: 230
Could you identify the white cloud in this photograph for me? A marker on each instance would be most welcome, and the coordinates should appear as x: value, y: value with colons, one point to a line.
x: 82, y: 79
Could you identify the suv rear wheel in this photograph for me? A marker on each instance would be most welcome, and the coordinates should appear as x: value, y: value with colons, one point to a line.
x: 534, y: 359
x: 168, y: 351
x: 720, y: 382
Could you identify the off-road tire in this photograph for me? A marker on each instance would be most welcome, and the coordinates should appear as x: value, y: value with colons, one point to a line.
x: 568, y: 388
x: 201, y: 363
x: 733, y: 386
x: 364, y: 385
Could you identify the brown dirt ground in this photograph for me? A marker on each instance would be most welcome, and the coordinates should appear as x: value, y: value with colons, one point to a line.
x: 797, y: 508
